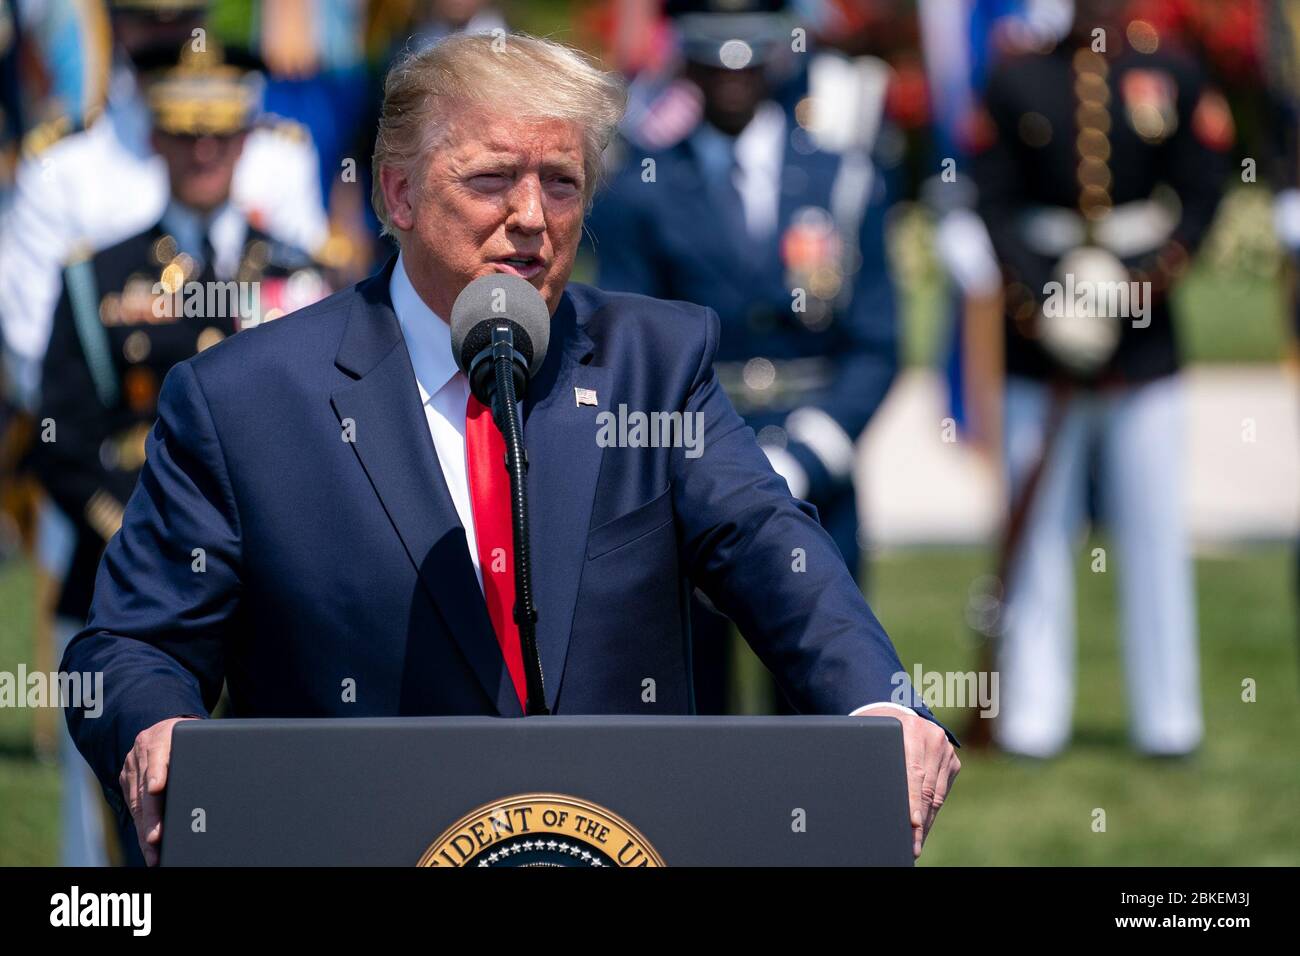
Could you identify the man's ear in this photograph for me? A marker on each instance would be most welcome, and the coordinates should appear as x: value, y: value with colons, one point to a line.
x: 397, y: 189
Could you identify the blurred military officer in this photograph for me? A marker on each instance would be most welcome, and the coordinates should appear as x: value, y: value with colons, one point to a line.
x: 97, y: 186
x: 128, y: 313
x: 1100, y: 165
x: 785, y: 241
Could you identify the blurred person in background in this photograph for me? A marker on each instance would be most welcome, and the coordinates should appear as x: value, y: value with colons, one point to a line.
x: 318, y: 75
x: 835, y: 53
x: 99, y: 185
x: 1100, y: 164
x: 961, y: 42
x: 60, y: 61
x: 129, y: 312
x: 784, y: 239
x: 54, y: 66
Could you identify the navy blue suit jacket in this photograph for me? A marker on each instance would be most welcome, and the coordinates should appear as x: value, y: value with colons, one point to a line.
x: 262, y: 549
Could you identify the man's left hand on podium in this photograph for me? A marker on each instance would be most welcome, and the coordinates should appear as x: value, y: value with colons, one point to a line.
x: 932, y: 766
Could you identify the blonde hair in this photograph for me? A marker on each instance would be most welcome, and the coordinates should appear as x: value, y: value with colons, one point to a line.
x: 525, y: 75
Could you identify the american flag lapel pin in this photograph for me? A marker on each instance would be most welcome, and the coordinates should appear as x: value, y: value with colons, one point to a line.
x: 584, y: 396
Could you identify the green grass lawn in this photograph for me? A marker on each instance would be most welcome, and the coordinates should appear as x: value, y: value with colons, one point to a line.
x: 1233, y: 803
x: 29, y: 789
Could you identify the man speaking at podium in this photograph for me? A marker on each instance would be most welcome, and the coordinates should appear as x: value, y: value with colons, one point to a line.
x: 323, y: 523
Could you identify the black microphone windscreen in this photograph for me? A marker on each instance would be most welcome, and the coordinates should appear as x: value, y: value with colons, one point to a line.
x: 492, y: 298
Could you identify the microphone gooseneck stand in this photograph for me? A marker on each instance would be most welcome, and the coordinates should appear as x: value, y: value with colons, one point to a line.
x: 507, y: 420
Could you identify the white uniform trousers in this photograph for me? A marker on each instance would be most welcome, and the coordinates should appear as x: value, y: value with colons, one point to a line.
x: 1139, y: 435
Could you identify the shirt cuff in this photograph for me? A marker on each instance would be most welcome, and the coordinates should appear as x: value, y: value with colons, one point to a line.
x: 882, y: 703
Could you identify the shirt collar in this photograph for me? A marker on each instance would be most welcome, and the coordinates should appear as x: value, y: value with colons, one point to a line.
x: 714, y: 149
x: 758, y: 147
x: 225, y: 229
x: 428, y: 337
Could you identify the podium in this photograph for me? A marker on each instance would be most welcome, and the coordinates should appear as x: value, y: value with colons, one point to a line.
x: 598, y: 791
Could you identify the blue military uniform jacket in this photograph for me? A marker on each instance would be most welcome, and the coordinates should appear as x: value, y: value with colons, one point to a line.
x: 835, y: 348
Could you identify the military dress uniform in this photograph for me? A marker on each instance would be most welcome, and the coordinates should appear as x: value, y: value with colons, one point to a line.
x: 1098, y: 168
x: 110, y: 350
x: 786, y: 242
x: 94, y: 186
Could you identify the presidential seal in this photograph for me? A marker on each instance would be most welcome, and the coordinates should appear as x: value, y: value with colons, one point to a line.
x: 541, y: 829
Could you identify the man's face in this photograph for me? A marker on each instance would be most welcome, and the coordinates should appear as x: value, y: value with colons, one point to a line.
x: 730, y: 96
x: 501, y: 194
x: 201, y: 167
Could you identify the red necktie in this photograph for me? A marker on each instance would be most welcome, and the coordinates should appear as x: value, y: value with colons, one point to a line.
x: 489, y: 492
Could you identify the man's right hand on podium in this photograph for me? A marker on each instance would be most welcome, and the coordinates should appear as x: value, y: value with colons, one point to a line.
x: 144, y: 778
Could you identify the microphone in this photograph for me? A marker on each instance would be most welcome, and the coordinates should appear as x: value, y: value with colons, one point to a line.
x: 503, y: 311
x: 500, y: 328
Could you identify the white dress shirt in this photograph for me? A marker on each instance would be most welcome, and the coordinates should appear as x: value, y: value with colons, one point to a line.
x: 444, y: 391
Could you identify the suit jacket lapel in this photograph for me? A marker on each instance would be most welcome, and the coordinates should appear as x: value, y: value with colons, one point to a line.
x: 564, y: 464
x: 393, y: 444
